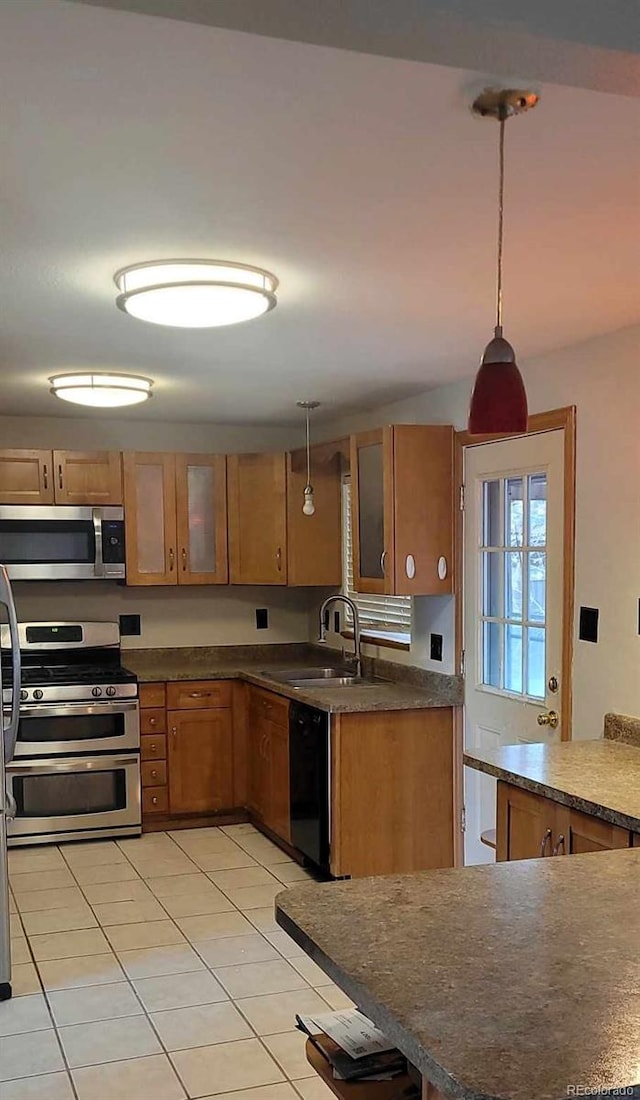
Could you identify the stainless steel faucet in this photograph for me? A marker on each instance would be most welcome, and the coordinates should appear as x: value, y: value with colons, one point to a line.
x: 357, y: 648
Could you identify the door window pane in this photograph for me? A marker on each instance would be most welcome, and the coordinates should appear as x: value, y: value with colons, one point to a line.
x: 513, y: 585
x: 537, y: 586
x: 491, y: 601
x: 536, y: 661
x: 513, y: 658
x: 491, y: 653
x: 491, y: 533
x: 200, y: 508
x: 537, y: 510
x: 514, y: 501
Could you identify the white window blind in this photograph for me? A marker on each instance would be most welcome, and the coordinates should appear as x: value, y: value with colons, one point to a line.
x: 385, y: 613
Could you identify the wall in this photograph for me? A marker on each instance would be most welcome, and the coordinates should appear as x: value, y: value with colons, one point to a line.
x: 170, y: 617
x: 173, y: 616
x: 602, y: 378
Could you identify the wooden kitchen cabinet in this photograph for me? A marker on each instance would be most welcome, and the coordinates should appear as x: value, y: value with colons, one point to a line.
x: 257, y: 518
x: 88, y: 477
x: 314, y: 543
x: 530, y: 826
x: 60, y: 477
x: 175, y: 518
x: 402, y: 506
x: 268, y: 760
x: 200, y: 759
x: 391, y: 791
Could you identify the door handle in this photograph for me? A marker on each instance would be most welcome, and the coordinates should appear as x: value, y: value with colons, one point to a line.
x: 550, y: 719
x: 172, y: 559
x: 383, y: 561
x: 543, y: 843
x: 184, y: 560
x: 559, y: 844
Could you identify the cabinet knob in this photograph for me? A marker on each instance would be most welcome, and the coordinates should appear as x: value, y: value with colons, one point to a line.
x: 152, y: 721
x: 543, y: 843
x: 153, y: 746
x: 154, y: 774
x: 558, y: 845
x: 174, y: 732
x: 154, y: 800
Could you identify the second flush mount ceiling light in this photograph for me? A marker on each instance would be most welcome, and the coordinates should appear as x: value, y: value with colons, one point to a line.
x: 195, y: 293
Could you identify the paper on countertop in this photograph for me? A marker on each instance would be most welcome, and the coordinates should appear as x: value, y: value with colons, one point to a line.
x: 351, y: 1030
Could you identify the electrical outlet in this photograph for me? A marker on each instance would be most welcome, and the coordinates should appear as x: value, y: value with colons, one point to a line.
x: 436, y: 647
x: 262, y: 618
x: 129, y: 625
x: 588, y: 629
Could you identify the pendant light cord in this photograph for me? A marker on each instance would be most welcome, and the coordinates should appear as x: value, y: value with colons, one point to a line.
x: 308, y: 452
x: 503, y: 116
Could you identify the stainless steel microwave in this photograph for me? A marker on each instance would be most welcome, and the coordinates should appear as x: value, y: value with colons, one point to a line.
x: 61, y: 542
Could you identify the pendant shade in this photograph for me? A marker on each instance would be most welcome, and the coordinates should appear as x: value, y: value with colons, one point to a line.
x: 499, y: 398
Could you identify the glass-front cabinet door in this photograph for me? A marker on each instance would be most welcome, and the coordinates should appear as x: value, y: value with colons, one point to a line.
x: 372, y: 531
x: 201, y: 500
x: 150, y: 517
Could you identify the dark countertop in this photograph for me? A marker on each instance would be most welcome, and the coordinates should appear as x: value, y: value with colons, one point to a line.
x: 598, y: 777
x: 515, y: 981
x: 252, y: 664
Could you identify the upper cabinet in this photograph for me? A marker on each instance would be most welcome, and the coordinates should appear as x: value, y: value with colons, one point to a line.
x: 175, y: 518
x: 257, y: 504
x: 60, y: 477
x: 402, y: 492
x: 314, y: 543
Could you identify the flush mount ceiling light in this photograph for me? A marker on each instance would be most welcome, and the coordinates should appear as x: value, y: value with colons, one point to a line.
x: 499, y: 399
x: 195, y: 293
x: 102, y: 391
x: 308, y: 506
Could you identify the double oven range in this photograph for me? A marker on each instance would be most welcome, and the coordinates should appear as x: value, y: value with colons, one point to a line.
x: 75, y: 774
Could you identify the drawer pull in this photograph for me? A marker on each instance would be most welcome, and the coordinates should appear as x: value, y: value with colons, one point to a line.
x: 199, y: 694
x: 153, y: 747
x: 60, y: 476
x: 45, y: 477
x: 154, y: 800
x: 154, y: 774
x: 152, y: 721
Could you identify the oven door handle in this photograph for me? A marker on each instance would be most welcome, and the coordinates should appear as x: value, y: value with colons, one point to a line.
x: 96, y: 763
x: 47, y: 710
x: 10, y: 731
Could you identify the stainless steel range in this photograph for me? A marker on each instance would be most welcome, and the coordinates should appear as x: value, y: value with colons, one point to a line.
x: 76, y: 768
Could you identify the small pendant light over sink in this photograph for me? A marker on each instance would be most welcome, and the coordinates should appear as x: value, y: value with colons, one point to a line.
x: 308, y: 506
x: 499, y: 399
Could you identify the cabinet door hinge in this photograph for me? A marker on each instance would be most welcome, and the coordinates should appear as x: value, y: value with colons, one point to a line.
x: 462, y: 662
x: 463, y: 819
x: 462, y: 498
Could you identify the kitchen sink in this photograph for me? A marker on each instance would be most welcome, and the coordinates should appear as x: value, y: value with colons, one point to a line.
x: 288, y: 675
x: 322, y: 677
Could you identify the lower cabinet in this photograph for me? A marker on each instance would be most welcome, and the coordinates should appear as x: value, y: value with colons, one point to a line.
x: 268, y: 760
x: 200, y: 747
x: 530, y: 825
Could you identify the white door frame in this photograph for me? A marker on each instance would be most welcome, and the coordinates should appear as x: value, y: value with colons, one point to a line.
x: 558, y: 419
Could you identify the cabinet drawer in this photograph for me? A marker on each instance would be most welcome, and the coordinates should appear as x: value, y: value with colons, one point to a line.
x: 155, y: 800
x: 154, y: 773
x: 153, y: 721
x: 153, y: 746
x: 193, y: 694
x: 152, y: 695
x: 271, y: 706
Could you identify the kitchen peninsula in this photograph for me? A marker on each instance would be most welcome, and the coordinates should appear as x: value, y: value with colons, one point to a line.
x: 519, y: 981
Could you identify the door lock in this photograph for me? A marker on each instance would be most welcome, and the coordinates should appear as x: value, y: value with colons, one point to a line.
x: 551, y: 719
x: 553, y: 684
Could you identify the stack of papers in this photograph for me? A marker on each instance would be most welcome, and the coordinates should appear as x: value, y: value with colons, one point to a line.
x: 365, y: 1052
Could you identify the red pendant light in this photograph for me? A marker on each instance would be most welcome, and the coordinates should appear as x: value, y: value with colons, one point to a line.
x: 499, y: 399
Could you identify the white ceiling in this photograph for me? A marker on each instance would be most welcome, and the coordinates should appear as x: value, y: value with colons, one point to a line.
x: 363, y: 182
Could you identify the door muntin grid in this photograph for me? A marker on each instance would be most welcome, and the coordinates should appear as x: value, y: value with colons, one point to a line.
x: 512, y: 572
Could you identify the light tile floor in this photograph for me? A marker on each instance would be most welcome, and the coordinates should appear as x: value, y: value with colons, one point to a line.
x: 153, y: 969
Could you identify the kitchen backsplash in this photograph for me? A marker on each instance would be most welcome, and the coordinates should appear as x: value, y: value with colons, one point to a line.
x: 173, y: 616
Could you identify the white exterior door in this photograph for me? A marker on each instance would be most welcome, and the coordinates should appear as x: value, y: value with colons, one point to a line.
x: 513, y: 602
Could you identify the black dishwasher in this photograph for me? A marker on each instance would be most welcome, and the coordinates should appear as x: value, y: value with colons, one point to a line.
x: 309, y: 782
